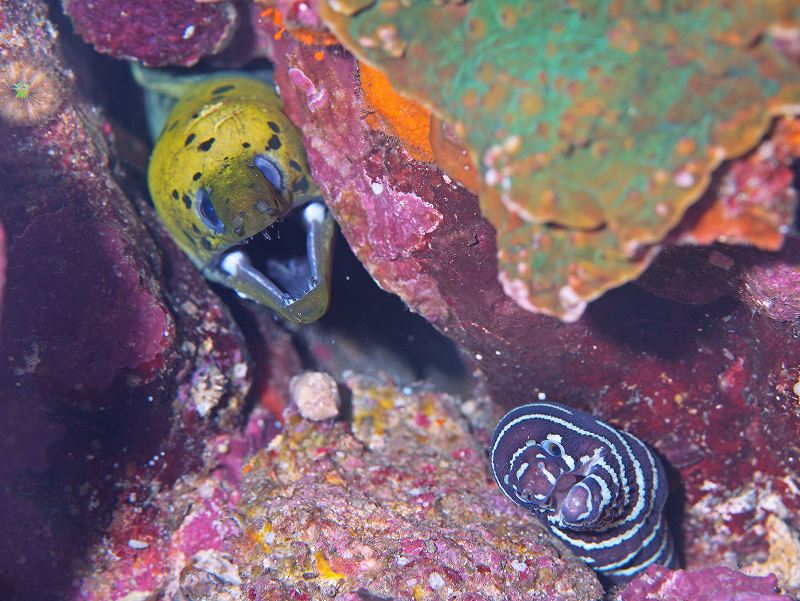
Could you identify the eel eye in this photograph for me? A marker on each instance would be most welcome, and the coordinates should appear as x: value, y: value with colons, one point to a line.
x: 552, y: 448
x: 208, y: 214
x: 270, y: 171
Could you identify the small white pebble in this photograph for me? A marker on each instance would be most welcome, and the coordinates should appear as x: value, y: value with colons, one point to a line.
x: 519, y: 566
x: 435, y: 581
x: 541, y: 396
x: 377, y: 187
x: 188, y: 32
x: 137, y: 544
x: 316, y: 395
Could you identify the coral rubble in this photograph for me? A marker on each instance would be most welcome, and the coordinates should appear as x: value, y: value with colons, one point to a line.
x: 315, y: 394
x: 395, y: 504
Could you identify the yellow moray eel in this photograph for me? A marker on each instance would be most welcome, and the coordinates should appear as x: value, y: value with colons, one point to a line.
x: 227, y: 164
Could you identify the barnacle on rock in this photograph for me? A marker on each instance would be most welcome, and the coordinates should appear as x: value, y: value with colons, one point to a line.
x: 29, y: 94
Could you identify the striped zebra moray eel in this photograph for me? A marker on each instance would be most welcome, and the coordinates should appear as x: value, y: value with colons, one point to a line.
x: 600, y: 490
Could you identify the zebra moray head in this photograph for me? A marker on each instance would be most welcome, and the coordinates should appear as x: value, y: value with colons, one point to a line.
x: 546, y: 477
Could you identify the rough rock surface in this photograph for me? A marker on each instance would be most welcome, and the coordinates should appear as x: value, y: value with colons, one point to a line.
x: 316, y: 395
x: 118, y: 361
x: 395, y: 503
x: 163, y: 543
x: 398, y: 504
x: 711, y: 385
x: 120, y: 368
x: 710, y: 584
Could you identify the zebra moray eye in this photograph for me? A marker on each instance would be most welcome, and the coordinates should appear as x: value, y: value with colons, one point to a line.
x: 552, y: 448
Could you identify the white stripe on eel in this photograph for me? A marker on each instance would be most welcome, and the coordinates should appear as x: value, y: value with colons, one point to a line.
x: 616, y: 489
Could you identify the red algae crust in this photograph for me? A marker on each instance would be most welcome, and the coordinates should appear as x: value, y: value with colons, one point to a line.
x: 709, y: 584
x: 177, y: 32
x: 396, y: 504
x: 118, y: 360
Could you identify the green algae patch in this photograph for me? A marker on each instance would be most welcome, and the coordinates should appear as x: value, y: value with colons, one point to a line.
x: 595, y: 125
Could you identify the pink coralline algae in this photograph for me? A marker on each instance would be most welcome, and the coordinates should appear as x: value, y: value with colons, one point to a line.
x: 158, y: 33
x: 710, y: 584
x: 693, y: 371
x: 397, y: 504
x: 174, y: 540
x: 772, y: 286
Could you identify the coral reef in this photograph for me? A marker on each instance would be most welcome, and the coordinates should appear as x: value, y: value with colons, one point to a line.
x: 710, y: 584
x: 650, y: 365
x: 178, y: 32
x: 595, y: 126
x: 124, y: 377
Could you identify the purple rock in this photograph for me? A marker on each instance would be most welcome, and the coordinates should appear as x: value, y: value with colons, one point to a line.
x: 156, y: 32
x: 118, y: 360
x: 396, y: 504
x: 771, y: 285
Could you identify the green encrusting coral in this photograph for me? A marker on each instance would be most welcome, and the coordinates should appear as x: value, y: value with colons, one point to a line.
x: 595, y: 124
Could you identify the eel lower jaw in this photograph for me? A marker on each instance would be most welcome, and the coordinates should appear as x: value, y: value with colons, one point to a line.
x: 306, y: 295
x: 562, y: 489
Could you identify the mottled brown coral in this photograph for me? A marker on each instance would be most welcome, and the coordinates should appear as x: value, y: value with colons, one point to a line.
x: 595, y: 125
